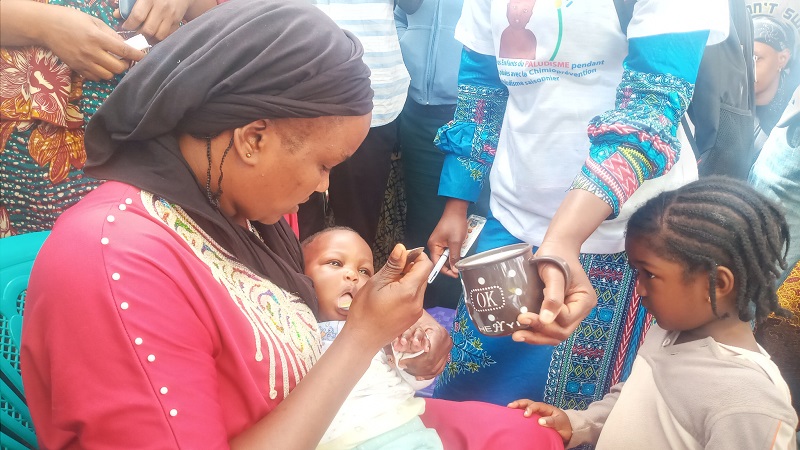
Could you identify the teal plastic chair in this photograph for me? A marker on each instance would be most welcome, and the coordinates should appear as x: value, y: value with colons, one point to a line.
x: 16, y: 260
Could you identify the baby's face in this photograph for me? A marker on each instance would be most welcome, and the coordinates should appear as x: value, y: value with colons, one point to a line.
x: 339, y: 262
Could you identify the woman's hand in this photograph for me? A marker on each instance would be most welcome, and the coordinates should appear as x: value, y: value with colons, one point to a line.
x: 450, y: 233
x: 156, y: 19
x: 562, y: 309
x: 551, y: 417
x: 577, y: 218
x: 386, y: 306
x: 93, y: 49
x: 391, y: 301
x: 84, y: 43
x: 428, y: 336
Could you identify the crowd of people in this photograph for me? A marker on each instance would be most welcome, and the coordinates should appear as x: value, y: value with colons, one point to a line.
x: 173, y: 305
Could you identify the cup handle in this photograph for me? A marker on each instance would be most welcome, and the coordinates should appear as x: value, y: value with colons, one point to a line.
x: 559, y: 262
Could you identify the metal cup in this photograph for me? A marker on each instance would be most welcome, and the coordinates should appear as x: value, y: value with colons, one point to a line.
x: 500, y: 284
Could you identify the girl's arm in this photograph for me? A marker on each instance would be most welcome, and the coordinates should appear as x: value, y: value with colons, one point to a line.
x: 587, y: 425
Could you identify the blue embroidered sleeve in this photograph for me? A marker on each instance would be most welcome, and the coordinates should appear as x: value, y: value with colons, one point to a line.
x: 469, y: 141
x: 638, y: 140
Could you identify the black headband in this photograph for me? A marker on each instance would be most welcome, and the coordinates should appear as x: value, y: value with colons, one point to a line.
x: 770, y: 31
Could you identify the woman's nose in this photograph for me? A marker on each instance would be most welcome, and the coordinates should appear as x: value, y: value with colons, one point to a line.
x: 324, y: 183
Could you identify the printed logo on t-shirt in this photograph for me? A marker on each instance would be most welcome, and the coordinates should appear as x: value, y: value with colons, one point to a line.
x: 525, y: 58
x: 517, y: 41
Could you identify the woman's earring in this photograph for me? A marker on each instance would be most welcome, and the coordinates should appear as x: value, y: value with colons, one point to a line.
x: 248, y: 154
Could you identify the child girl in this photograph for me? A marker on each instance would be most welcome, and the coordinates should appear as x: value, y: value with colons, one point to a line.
x: 707, y: 256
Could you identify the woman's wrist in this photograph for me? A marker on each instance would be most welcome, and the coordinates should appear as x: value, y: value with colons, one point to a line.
x: 456, y: 206
x: 364, y: 339
x: 579, y: 215
x: 24, y: 23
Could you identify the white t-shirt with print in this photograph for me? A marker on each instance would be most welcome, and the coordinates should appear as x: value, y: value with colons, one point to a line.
x: 556, y: 87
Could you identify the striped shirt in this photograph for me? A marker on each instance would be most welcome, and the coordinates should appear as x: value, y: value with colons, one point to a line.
x: 372, y: 21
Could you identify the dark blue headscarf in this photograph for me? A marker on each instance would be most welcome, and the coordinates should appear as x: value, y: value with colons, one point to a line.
x: 242, y: 61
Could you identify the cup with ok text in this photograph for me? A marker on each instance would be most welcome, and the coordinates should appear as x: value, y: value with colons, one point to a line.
x: 502, y: 283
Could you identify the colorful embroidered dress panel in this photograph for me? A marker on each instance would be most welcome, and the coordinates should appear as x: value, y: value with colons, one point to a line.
x: 166, y: 331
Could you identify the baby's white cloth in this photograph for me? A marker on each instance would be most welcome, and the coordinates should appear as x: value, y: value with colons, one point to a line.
x: 382, y: 400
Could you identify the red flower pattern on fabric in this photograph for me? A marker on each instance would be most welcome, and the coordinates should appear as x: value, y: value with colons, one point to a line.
x: 38, y: 89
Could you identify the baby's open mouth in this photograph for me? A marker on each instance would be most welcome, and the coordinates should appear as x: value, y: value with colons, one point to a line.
x: 344, y: 301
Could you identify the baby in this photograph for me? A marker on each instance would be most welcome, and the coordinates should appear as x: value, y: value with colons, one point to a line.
x: 381, y: 410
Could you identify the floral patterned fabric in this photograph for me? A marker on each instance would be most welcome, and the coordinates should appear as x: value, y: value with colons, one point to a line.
x: 789, y: 294
x: 44, y: 108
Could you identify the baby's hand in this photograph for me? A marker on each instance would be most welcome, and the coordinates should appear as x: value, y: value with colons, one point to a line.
x: 551, y: 417
x: 413, y: 340
x: 428, y: 336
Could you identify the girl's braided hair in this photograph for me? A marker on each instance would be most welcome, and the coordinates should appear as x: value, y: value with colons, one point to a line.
x: 720, y: 221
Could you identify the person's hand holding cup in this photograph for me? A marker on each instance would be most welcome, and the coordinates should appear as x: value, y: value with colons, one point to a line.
x: 567, y: 301
x: 502, y: 284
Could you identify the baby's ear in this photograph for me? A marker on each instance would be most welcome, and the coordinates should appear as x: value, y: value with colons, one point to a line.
x: 725, y: 282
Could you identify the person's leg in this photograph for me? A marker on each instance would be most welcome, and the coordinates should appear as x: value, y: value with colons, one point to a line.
x: 358, y: 185
x: 601, y: 351
x: 481, y: 426
x: 422, y: 166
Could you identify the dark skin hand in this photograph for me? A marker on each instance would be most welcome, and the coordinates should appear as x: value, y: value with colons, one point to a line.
x: 156, y: 19
x: 433, y: 340
x: 93, y: 50
x: 551, y: 417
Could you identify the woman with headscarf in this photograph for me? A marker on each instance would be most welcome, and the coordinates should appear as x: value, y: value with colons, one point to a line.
x: 773, y: 47
x: 167, y: 309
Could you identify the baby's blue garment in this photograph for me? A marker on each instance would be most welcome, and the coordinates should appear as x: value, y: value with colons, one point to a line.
x: 412, y: 435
